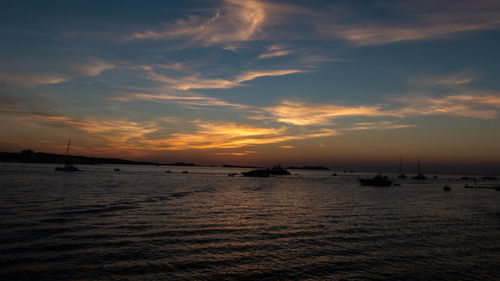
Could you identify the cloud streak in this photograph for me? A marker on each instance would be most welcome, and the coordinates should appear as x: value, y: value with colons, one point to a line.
x: 303, y: 114
x: 185, y: 99
x: 445, y: 20
x: 91, y: 67
x: 235, y: 21
x: 229, y: 135
x: 186, y: 83
x: 486, y: 106
x: 452, y: 80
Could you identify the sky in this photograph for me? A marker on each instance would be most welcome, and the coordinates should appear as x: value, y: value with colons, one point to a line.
x: 345, y: 84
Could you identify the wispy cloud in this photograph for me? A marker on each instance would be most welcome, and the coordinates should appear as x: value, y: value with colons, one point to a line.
x: 274, y: 54
x: 444, y: 20
x: 185, y: 83
x: 303, y: 114
x: 378, y: 125
x: 71, y: 70
x: 235, y: 21
x: 451, y: 80
x: 251, y: 75
x: 230, y: 25
x: 275, y: 51
x: 482, y: 106
x: 91, y: 67
x: 228, y: 135
x: 116, y: 133
x: 184, y: 98
x: 32, y: 79
x: 243, y: 153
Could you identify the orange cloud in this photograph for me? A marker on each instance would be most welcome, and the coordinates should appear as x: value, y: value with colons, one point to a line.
x: 474, y: 106
x: 251, y: 75
x: 236, y: 21
x: 275, y: 51
x: 380, y: 125
x: 444, y: 21
x: 32, y: 79
x: 186, y: 99
x: 219, y: 135
x: 236, y: 153
x: 91, y: 67
x: 196, y: 82
x: 118, y: 133
x: 302, y: 114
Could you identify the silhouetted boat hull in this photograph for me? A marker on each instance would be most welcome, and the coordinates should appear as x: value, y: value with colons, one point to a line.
x: 378, y: 180
x: 67, y: 168
x: 256, y: 173
x: 420, y: 177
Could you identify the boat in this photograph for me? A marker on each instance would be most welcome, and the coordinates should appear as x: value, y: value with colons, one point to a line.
x: 378, y: 180
x: 401, y: 174
x: 420, y: 175
x: 116, y: 169
x: 68, y: 167
x: 276, y: 170
x: 184, y: 172
x: 256, y: 173
x: 446, y: 188
x: 232, y: 174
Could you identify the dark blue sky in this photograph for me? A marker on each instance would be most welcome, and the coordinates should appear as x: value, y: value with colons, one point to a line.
x: 252, y: 81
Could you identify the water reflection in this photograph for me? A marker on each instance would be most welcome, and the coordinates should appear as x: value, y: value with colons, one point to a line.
x: 143, y: 224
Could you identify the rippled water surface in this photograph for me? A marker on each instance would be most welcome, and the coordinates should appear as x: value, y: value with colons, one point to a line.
x: 145, y: 224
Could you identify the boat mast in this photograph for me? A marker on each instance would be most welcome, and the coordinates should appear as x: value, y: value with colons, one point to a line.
x: 400, y: 165
x: 67, y: 152
x: 67, y: 149
x: 418, y: 167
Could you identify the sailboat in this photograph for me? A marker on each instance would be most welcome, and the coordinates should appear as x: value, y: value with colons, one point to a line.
x: 401, y: 174
x: 420, y: 175
x: 68, y: 167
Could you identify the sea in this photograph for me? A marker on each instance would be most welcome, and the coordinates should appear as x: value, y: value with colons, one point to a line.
x: 142, y: 223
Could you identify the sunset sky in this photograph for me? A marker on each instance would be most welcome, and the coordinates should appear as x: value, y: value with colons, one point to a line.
x: 335, y: 83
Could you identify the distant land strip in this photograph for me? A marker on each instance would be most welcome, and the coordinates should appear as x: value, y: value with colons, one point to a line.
x: 29, y: 156
x: 236, y: 166
x: 309, y: 168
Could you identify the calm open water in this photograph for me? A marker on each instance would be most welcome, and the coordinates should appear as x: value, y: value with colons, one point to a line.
x: 144, y: 224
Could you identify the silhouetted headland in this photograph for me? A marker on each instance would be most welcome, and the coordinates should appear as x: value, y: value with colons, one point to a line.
x: 29, y: 156
x: 236, y: 166
x: 180, y: 164
x: 274, y: 171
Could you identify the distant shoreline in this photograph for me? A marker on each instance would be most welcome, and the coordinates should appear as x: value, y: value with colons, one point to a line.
x: 321, y: 168
x: 236, y: 166
x: 28, y: 156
